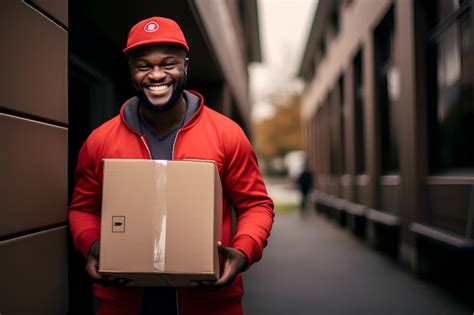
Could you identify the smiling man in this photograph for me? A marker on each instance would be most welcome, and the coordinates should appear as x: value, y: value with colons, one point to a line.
x: 159, y: 90
x: 165, y: 121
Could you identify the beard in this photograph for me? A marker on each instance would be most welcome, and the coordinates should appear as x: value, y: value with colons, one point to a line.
x: 178, y: 91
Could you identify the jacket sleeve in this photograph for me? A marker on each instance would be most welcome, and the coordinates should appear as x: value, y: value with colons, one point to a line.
x: 244, y: 185
x: 84, y: 210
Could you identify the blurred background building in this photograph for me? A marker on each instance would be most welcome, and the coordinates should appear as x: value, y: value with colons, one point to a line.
x: 63, y: 74
x: 388, y: 118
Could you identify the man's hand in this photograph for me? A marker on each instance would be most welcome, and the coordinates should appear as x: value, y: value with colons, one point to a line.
x: 92, y: 268
x: 234, y: 263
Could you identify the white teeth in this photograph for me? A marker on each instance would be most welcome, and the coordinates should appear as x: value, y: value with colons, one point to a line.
x: 157, y: 87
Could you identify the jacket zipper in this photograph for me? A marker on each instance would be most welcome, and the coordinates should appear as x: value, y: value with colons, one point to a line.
x: 146, y: 146
x: 148, y: 149
x: 185, y: 126
x: 174, y: 143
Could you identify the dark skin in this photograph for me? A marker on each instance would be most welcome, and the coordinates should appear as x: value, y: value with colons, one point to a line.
x: 92, y: 268
x: 234, y: 263
x: 157, y: 70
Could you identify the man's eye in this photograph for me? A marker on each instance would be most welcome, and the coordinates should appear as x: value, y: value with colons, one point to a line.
x: 169, y: 65
x: 142, y: 67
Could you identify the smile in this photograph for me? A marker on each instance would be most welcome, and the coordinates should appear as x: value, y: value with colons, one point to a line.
x: 158, y: 88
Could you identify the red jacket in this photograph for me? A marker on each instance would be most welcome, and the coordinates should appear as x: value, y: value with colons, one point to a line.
x: 207, y: 135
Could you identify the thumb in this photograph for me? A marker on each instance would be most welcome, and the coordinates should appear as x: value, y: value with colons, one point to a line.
x: 221, y: 248
x: 224, y: 251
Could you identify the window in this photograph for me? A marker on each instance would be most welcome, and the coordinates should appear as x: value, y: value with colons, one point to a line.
x: 359, y: 114
x: 334, y: 20
x: 333, y: 119
x: 310, y: 71
x: 322, y: 48
x: 449, y: 76
x: 322, y: 135
x: 341, y: 123
x: 387, y: 89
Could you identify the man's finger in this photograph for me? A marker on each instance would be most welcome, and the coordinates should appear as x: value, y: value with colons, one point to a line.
x: 110, y: 281
x: 221, y: 282
x: 226, y: 277
x: 113, y: 283
x: 224, y: 251
x: 93, y: 273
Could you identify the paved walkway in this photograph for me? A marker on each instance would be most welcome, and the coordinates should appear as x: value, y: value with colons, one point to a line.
x: 314, y: 266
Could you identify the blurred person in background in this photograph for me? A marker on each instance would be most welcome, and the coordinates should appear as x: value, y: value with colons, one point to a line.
x: 305, y: 184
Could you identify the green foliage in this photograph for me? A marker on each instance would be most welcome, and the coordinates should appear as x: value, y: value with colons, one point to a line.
x: 285, y: 207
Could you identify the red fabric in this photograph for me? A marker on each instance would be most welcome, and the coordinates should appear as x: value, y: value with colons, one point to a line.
x: 155, y: 30
x: 209, y: 136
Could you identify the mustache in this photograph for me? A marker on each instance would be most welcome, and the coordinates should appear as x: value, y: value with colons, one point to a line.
x: 178, y: 91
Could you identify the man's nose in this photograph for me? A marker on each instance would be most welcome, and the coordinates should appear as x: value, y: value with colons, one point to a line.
x: 156, y: 73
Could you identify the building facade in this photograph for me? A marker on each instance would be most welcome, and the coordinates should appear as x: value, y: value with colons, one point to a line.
x: 33, y: 162
x: 63, y: 74
x: 388, y: 116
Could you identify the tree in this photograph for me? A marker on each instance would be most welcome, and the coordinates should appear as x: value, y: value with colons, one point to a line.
x: 281, y: 133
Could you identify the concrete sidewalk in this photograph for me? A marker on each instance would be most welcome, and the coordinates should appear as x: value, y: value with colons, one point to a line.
x: 313, y: 266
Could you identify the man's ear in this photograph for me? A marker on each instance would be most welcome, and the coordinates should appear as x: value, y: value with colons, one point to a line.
x: 186, y: 64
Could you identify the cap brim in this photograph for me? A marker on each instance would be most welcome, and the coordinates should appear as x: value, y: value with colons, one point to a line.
x: 156, y: 41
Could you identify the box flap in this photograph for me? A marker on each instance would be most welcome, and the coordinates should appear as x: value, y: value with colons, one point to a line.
x: 190, y: 232
x: 127, y: 237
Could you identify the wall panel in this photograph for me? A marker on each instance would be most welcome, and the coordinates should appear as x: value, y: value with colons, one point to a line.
x: 33, y: 60
x: 33, y: 185
x: 33, y: 270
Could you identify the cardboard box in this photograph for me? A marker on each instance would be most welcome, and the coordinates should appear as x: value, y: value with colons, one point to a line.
x: 161, y: 221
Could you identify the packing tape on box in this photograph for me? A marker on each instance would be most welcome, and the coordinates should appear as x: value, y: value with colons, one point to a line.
x: 160, y: 218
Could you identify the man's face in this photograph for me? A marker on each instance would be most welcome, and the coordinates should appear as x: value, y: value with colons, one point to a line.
x: 159, y: 73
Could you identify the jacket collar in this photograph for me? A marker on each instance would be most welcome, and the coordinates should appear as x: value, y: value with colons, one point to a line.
x: 129, y: 110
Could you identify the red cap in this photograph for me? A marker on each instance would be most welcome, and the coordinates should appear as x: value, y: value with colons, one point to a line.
x: 155, y: 30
